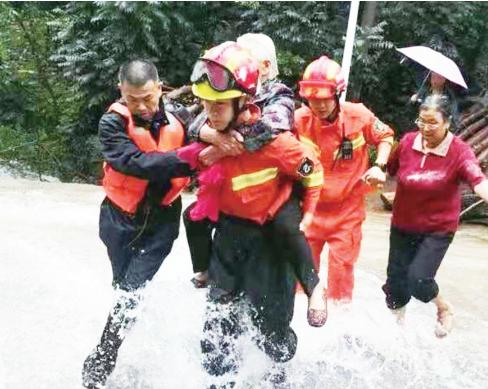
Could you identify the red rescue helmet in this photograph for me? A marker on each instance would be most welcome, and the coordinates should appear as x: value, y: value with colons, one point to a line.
x: 322, y: 79
x: 225, y: 71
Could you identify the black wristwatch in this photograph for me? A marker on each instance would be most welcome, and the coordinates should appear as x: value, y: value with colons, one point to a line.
x: 382, y: 166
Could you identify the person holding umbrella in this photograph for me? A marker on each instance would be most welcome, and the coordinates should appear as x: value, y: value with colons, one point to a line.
x: 429, y: 165
x: 437, y: 84
x: 442, y: 77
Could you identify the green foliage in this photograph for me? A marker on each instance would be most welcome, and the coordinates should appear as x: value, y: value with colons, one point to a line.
x: 34, y: 101
x: 291, y: 66
x: 36, y: 151
x: 378, y: 78
x: 59, y: 61
x: 369, y: 48
x: 302, y: 31
x: 98, y: 37
x: 101, y: 36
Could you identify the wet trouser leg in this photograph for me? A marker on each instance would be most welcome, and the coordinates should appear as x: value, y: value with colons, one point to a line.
x: 338, y: 225
x: 222, y: 329
x: 219, y: 340
x: 199, y: 237
x: 150, y: 250
x: 98, y: 366
x: 422, y: 271
x: 344, y: 246
x: 402, y: 251
x: 412, y: 265
x: 117, y: 230
x: 244, y: 263
x: 136, y: 249
x: 279, y: 343
x: 293, y: 246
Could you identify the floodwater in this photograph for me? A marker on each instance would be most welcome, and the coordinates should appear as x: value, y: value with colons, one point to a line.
x: 55, y: 294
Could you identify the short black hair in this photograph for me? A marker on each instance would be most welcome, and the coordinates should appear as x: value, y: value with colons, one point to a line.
x: 138, y: 72
x: 440, y: 103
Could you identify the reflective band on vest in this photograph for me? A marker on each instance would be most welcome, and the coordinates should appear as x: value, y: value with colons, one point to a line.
x: 128, y: 191
x: 252, y: 179
x: 314, y: 179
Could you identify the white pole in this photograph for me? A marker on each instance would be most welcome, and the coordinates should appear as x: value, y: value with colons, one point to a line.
x: 351, y: 32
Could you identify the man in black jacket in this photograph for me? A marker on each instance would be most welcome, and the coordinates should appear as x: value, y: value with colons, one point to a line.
x: 140, y: 215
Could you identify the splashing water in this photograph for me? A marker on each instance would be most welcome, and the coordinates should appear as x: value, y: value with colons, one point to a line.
x: 361, y: 346
x: 56, y: 294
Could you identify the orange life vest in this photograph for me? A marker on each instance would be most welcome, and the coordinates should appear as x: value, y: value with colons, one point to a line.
x: 128, y: 191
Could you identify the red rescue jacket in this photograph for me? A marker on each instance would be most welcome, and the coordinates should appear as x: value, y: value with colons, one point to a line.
x: 362, y: 128
x: 257, y: 184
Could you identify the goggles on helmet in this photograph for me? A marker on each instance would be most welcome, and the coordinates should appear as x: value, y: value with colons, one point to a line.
x: 219, y: 78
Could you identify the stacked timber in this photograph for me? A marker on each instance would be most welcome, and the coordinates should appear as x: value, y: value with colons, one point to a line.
x: 473, y: 129
x: 184, y: 96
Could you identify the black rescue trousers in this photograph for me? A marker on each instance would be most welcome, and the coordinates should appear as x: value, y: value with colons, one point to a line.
x: 137, y: 246
x: 199, y: 237
x: 412, y: 265
x: 289, y: 242
x: 292, y: 244
x: 247, y: 277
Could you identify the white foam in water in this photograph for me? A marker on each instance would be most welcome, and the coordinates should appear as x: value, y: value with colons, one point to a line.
x: 361, y: 346
x: 55, y: 295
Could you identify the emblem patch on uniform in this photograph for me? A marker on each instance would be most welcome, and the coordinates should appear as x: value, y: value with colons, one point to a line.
x: 306, y: 167
x: 380, y: 127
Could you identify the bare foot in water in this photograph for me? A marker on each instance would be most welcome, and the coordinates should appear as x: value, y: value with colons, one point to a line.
x: 399, y: 314
x: 445, y: 317
x: 317, y: 307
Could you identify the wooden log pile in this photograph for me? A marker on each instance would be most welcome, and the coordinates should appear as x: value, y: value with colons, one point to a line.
x: 473, y: 129
x: 183, y: 95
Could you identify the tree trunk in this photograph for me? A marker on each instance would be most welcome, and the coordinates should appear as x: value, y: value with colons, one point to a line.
x: 369, y: 14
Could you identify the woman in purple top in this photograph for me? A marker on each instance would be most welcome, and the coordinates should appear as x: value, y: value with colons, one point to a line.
x: 430, y: 165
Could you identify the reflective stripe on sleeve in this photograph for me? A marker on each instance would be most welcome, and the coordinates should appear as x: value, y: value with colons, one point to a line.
x: 252, y: 179
x: 314, y: 179
x: 388, y: 139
